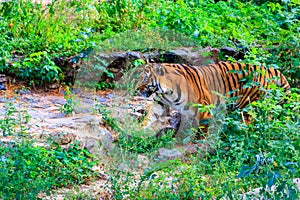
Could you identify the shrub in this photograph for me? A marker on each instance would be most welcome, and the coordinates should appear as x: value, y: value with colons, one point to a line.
x: 28, y: 170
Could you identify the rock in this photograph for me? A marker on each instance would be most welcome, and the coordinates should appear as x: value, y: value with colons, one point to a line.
x: 110, y: 96
x: 36, y: 114
x: 30, y: 100
x: 191, y: 149
x: 169, y: 154
x: 63, y: 138
x: 75, y: 90
x: 84, y: 105
x: 54, y: 126
x: 133, y: 55
x: 235, y: 53
x: 53, y: 86
x: 87, y: 96
x: 143, y: 161
x: 7, y: 100
x: 100, y: 134
x: 91, y: 129
x: 3, y: 78
x: 58, y: 101
x: 101, y: 99
x: 106, y: 139
x: 2, y: 81
x: 22, y: 91
x: 2, y: 86
x: 92, y: 145
x: 87, y: 101
x: 56, y: 115
x: 53, y: 108
x: 44, y: 106
x: 175, y: 118
x: 83, y: 109
x: 205, y: 56
x: 186, y: 55
x: 61, y: 123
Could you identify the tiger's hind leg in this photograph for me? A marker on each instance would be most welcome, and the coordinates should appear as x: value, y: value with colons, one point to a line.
x: 211, y: 123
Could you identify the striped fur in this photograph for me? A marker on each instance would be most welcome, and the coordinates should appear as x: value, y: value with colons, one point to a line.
x: 178, y: 85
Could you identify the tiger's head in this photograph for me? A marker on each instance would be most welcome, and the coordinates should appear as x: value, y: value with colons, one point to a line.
x: 149, y: 81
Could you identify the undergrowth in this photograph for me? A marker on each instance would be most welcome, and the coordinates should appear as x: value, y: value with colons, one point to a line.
x: 134, y: 139
x: 29, y: 171
x: 263, y: 154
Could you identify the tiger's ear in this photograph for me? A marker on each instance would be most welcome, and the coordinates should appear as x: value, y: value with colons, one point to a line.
x: 159, y: 70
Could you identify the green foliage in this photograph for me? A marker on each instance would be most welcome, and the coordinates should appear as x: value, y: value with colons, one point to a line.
x: 13, y: 121
x: 108, y: 119
x: 141, y: 142
x: 39, y: 68
x: 68, y: 107
x: 132, y: 138
x: 130, y: 77
x: 28, y: 170
x: 32, y: 35
x: 58, y: 27
x: 95, y: 69
x: 66, y: 28
x: 263, y: 154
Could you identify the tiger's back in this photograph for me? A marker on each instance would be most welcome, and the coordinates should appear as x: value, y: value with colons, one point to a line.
x: 245, y: 82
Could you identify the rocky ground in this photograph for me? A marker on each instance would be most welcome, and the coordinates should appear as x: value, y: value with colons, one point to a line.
x: 44, y: 117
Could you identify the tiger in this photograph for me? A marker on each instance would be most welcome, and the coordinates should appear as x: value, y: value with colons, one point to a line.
x: 179, y: 86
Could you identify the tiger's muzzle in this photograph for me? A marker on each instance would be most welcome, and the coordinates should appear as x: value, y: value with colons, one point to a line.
x: 146, y: 91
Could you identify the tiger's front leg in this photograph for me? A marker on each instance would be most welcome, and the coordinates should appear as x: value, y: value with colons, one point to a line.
x: 188, y: 121
x: 154, y: 112
x: 192, y: 118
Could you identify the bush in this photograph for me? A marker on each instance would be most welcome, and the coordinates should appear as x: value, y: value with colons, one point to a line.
x: 28, y: 170
x: 33, y: 35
